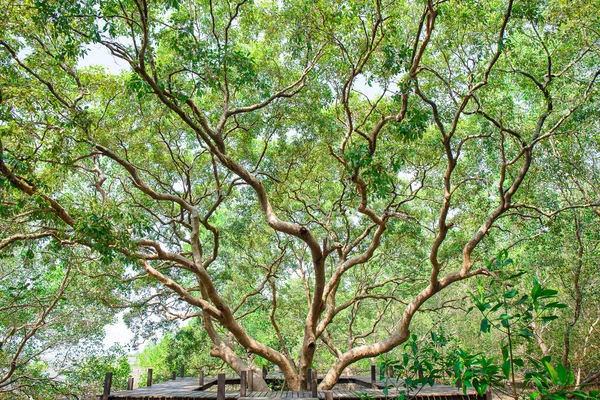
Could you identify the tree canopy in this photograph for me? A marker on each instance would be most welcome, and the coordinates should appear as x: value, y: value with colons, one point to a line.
x: 303, y: 176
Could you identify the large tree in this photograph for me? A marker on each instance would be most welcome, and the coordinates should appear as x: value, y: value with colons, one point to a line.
x: 364, y: 155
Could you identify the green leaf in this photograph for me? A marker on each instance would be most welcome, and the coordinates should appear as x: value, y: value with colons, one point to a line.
x: 535, y: 291
x: 29, y: 254
x: 518, y: 362
x: 565, y: 376
x: 506, y: 368
x: 484, y: 327
x: 552, y: 372
x: 556, y: 305
x: 548, y: 293
x: 538, y: 383
x: 526, y: 333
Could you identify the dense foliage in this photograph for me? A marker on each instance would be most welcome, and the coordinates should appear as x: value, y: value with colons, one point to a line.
x: 310, y: 180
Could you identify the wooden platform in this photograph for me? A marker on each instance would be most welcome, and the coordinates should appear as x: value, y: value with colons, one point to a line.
x: 188, y: 388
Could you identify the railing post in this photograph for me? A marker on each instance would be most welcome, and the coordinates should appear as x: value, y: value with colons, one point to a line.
x: 264, y: 372
x: 243, y: 383
x: 182, y: 370
x: 421, y: 374
x: 308, y: 379
x: 149, y: 379
x: 314, y: 384
x: 488, y: 394
x: 221, y: 387
x: 250, y: 380
x: 173, y: 375
x: 373, y: 376
x: 328, y: 395
x: 107, y: 385
x: 201, y: 379
x: 130, y: 383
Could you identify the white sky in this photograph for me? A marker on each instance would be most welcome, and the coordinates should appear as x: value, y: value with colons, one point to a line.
x: 118, y: 333
x: 99, y: 55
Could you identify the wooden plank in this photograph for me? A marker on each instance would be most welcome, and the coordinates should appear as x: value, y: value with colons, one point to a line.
x: 188, y: 388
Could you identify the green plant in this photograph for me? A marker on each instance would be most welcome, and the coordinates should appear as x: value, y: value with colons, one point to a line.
x: 515, y: 313
x: 421, y: 364
x: 555, y: 382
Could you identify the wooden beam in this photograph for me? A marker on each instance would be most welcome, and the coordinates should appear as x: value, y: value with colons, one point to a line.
x: 130, y: 383
x: 149, y: 379
x: 314, y: 384
x: 201, y: 379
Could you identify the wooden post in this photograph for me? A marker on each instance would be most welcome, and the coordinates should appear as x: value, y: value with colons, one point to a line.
x: 421, y: 374
x: 264, y: 371
x: 173, y: 375
x: 328, y: 395
x: 201, y: 379
x: 243, y: 383
x: 250, y: 380
x: 373, y: 376
x: 221, y: 387
x: 488, y: 394
x: 308, y: 379
x: 182, y: 370
x: 458, y: 384
x: 130, y: 384
x: 314, y: 384
x: 107, y: 385
x: 149, y: 379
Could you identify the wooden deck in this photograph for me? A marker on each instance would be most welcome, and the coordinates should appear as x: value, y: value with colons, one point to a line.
x: 188, y: 388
